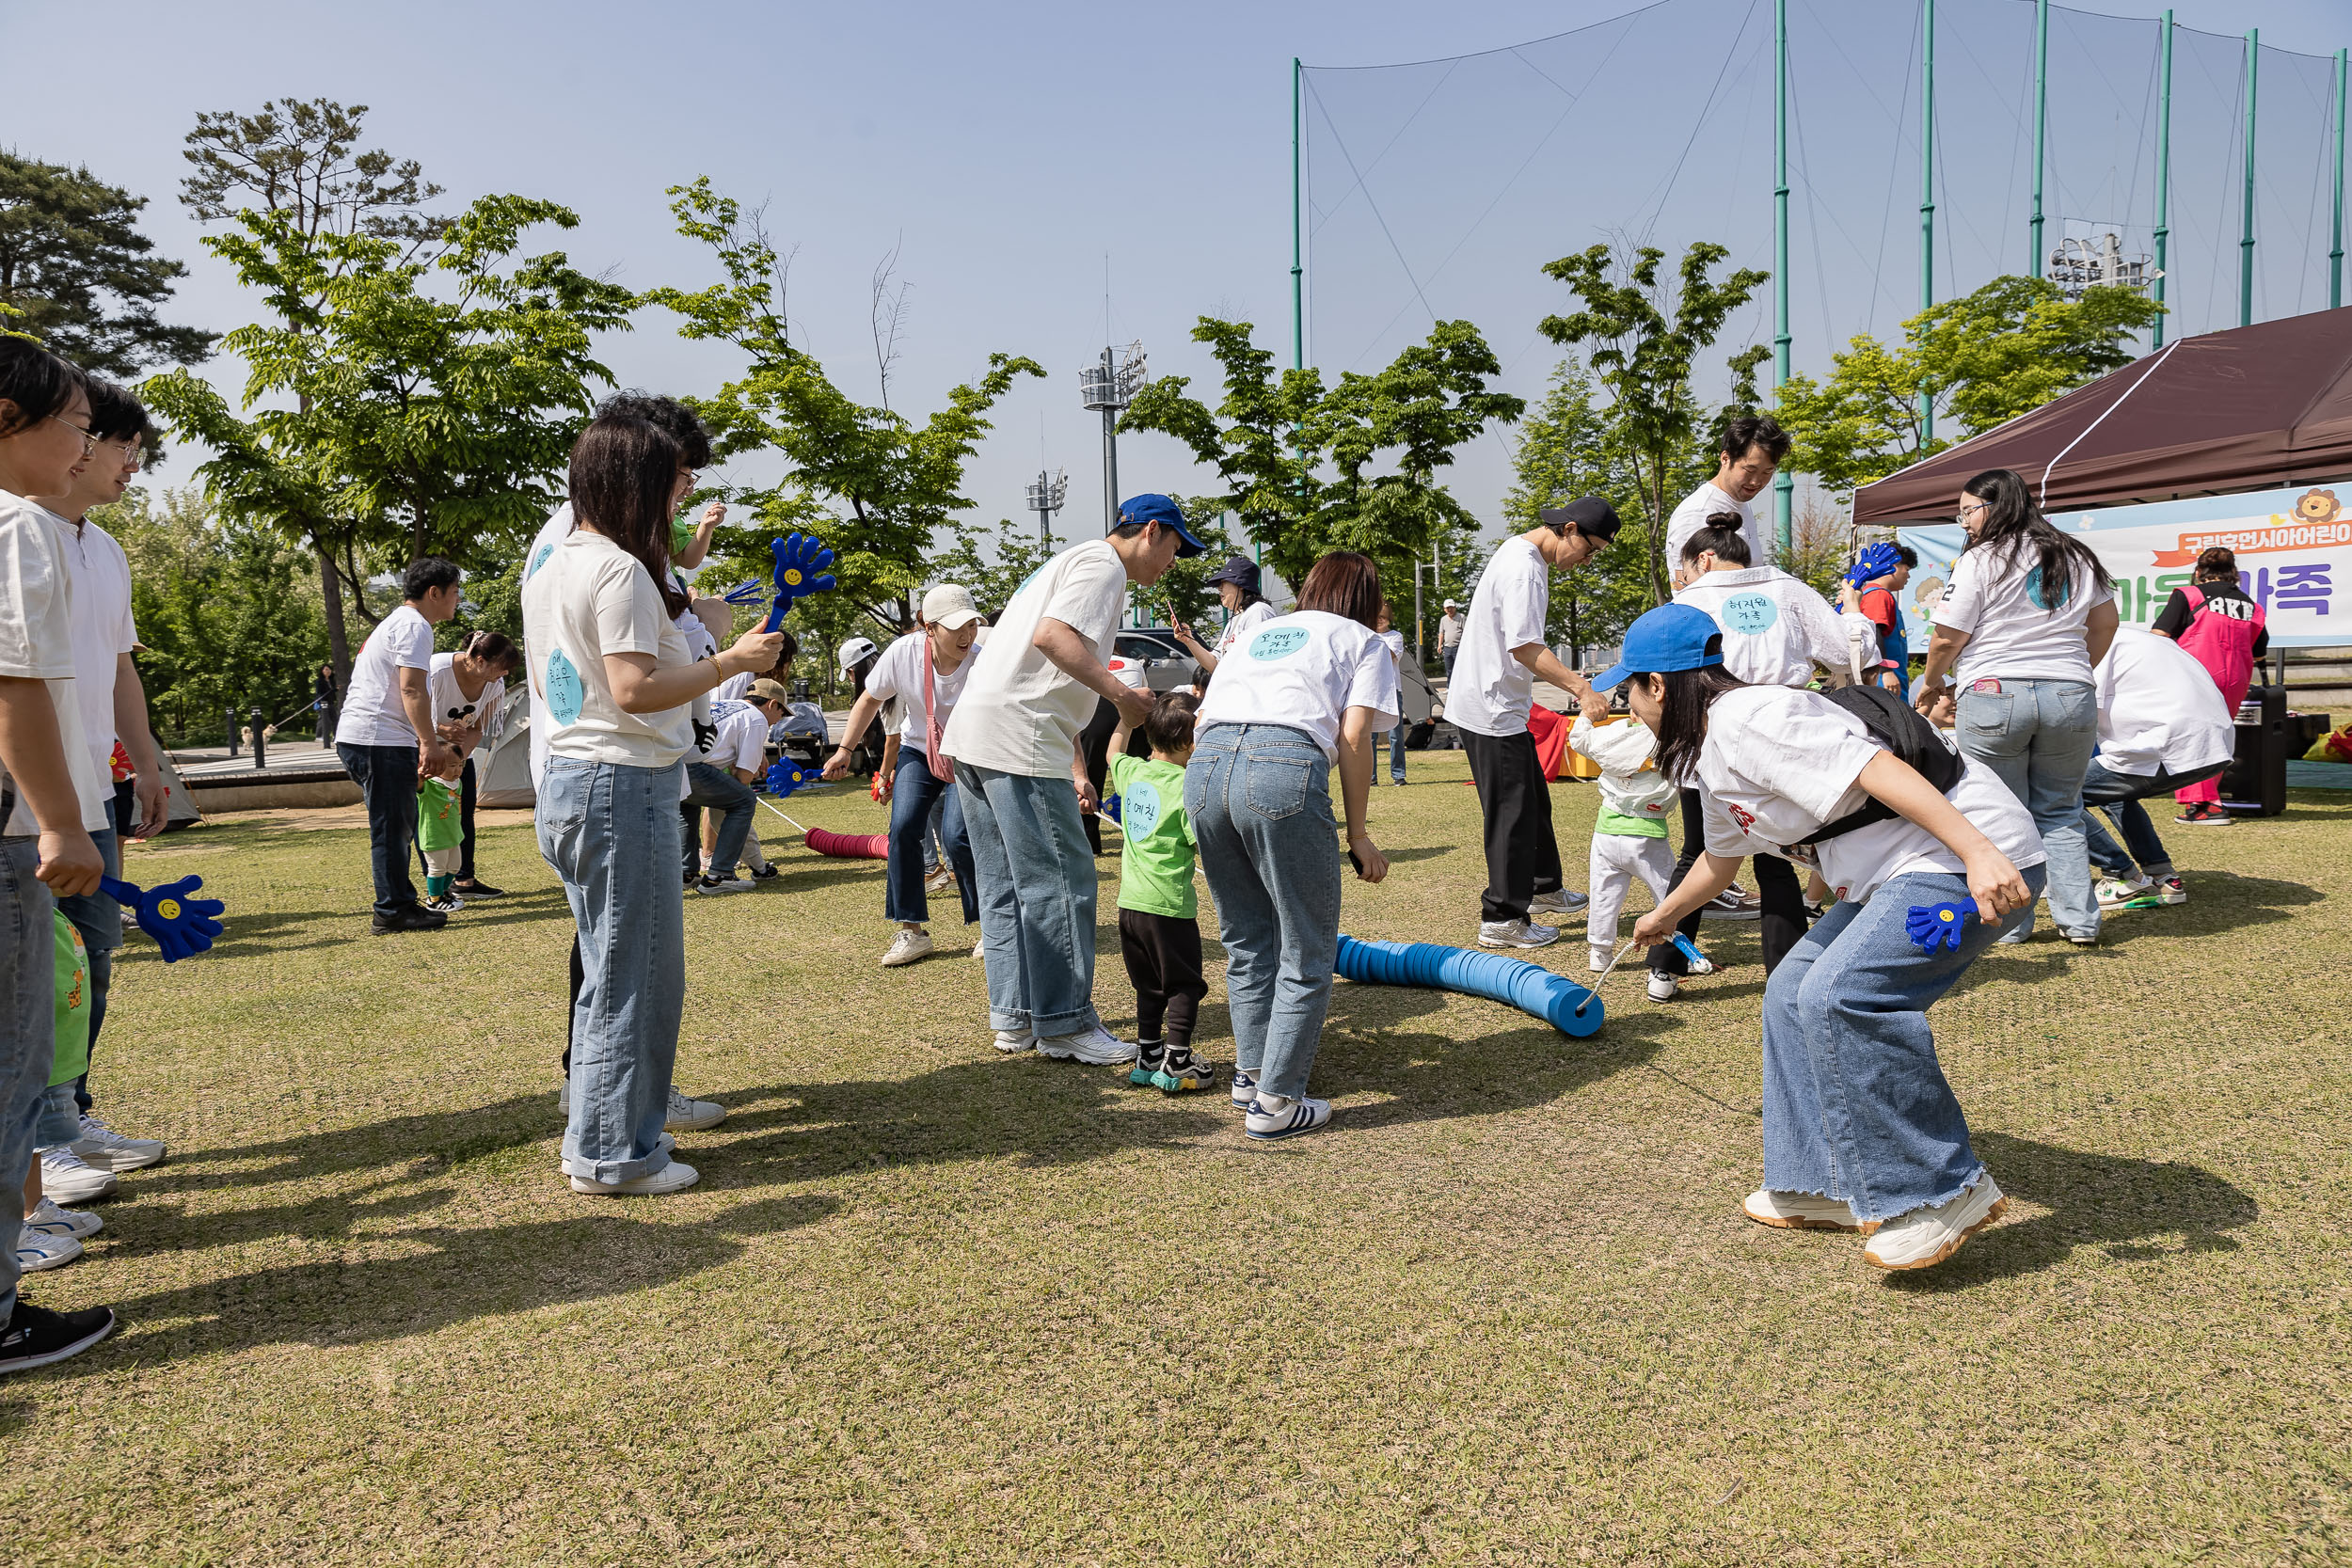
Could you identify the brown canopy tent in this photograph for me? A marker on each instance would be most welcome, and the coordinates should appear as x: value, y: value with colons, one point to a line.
x: 2255, y: 408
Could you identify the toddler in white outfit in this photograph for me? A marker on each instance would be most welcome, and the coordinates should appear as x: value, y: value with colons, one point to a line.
x: 1630, y: 836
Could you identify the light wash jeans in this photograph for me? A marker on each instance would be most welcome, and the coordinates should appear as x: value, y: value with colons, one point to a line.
x: 99, y: 919
x: 1855, y: 1105
x: 709, y: 784
x: 28, y: 1034
x: 1036, y: 876
x: 918, y: 800
x: 2038, y: 736
x: 611, y: 833
x: 1260, y: 800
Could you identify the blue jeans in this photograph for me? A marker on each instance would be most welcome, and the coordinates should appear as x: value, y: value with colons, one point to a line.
x: 1855, y: 1105
x: 709, y: 784
x: 99, y: 919
x: 934, y: 833
x: 914, y: 795
x: 1260, y: 800
x: 387, y: 777
x: 2120, y: 795
x: 611, y: 833
x: 1035, y: 890
x: 1396, y: 754
x: 2038, y: 736
x: 28, y: 1032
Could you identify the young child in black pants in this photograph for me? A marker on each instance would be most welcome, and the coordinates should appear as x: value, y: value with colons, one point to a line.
x: 1159, y: 928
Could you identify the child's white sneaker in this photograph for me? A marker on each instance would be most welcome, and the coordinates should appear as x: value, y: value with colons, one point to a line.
x: 1597, y: 960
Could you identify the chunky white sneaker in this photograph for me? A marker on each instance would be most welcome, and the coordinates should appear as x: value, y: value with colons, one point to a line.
x: 35, y: 1251
x: 1662, y: 987
x: 687, y: 1115
x: 1515, y: 933
x: 1098, y: 1047
x: 675, y: 1177
x: 564, y: 1100
x: 1013, y: 1042
x: 49, y: 1220
x: 1564, y: 901
x: 101, y: 1147
x: 1926, y: 1236
x: 69, y: 1179
x: 906, y: 947
x: 1299, y: 1115
x: 1800, y: 1212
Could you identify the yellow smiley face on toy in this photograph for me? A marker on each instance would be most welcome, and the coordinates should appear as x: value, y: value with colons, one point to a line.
x: 791, y: 577
x: 1946, y: 916
x: 167, y: 909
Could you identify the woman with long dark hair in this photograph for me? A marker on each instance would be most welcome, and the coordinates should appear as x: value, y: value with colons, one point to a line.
x: 1861, y: 1130
x: 2026, y: 616
x: 1302, y: 692
x: 618, y: 683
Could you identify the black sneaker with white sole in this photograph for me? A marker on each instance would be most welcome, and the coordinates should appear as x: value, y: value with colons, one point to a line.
x: 40, y: 1337
x: 413, y: 917
x: 479, y: 890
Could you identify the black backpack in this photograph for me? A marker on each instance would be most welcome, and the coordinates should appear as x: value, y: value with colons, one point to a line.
x: 1897, y: 726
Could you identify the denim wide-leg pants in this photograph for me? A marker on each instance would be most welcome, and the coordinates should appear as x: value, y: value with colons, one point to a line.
x: 1036, y: 875
x: 2038, y: 736
x: 916, y: 801
x: 29, y: 1032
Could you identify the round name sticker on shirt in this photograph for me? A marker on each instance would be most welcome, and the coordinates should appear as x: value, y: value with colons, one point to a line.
x: 2033, y: 591
x: 1750, y: 614
x: 566, y: 693
x: 1277, y: 643
x: 1139, y: 813
x: 538, y: 560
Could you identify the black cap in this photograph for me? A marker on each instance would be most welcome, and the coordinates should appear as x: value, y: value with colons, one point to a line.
x: 1587, y: 514
x: 1241, y: 572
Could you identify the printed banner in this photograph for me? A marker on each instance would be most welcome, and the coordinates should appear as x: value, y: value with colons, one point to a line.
x: 2293, y: 546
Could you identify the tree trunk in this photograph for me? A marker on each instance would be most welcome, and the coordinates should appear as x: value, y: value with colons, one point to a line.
x: 338, y: 638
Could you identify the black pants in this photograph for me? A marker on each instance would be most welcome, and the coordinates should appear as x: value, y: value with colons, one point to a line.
x: 571, y: 1004
x: 387, y: 777
x: 465, y: 813
x: 1522, y: 856
x: 1163, y: 956
x: 1776, y: 883
x: 1096, y: 741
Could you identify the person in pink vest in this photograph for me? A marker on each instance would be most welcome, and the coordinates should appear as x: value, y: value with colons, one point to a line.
x: 2215, y: 619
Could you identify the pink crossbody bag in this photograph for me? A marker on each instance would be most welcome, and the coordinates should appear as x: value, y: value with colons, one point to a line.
x: 943, y: 768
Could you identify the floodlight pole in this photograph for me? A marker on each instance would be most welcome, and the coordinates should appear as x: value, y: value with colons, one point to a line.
x: 2041, y: 116
x: 1926, y: 191
x: 2335, y: 257
x: 1299, y: 296
x: 2164, y: 167
x: 2246, y: 241
x: 1111, y: 450
x: 1784, y: 483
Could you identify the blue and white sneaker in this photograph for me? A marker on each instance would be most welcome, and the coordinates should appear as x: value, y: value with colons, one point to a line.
x: 1244, y: 1086
x: 49, y: 1220
x: 1300, y: 1115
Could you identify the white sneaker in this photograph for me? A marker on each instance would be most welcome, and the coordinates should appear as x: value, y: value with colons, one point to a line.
x: 1515, y: 933
x: 69, y: 1179
x: 35, y: 1251
x: 1662, y: 987
x: 907, y: 946
x: 939, y: 881
x: 49, y: 1220
x: 1564, y: 901
x: 1245, y: 1087
x: 1300, y: 1115
x: 1800, y: 1212
x: 687, y: 1115
x: 1097, y: 1046
x: 1013, y: 1042
x: 675, y: 1177
x: 2116, y: 892
x: 101, y: 1147
x: 1596, y: 959
x: 1927, y: 1236
x: 564, y: 1100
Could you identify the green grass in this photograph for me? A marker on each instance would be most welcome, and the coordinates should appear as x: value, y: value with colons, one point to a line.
x: 933, y: 1305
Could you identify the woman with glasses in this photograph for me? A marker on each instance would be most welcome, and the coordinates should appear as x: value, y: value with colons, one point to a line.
x: 2026, y: 616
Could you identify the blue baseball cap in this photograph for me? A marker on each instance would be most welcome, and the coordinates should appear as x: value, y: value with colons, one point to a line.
x: 1159, y: 509
x: 1672, y: 637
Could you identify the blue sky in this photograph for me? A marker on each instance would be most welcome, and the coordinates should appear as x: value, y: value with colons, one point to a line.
x: 1010, y: 153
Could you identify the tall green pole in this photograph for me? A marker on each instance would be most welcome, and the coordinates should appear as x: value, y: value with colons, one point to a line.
x: 1926, y: 191
x: 1785, y: 485
x: 2246, y: 240
x: 2164, y: 166
x: 2040, y: 117
x: 2335, y: 257
x: 1298, y: 269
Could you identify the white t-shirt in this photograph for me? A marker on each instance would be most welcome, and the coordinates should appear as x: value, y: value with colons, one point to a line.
x: 1019, y: 713
x: 551, y: 534
x: 1250, y: 619
x: 589, y: 599
x: 1690, y: 516
x: 742, y: 737
x: 373, y: 714
x: 1775, y: 627
x: 898, y: 674
x: 1779, y: 764
x: 732, y: 688
x: 1305, y: 669
x: 2158, y: 709
x: 1490, y: 693
x: 1996, y: 596
x: 37, y: 608
x: 102, y: 632
x: 449, y: 703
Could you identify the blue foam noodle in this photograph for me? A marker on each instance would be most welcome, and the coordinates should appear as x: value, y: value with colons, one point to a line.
x: 1530, y: 987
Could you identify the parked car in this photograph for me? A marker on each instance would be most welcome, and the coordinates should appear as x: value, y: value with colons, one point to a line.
x: 1166, y: 665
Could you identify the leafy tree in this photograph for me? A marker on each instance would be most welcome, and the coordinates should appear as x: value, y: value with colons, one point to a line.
x: 873, y: 484
x: 77, y: 273
x: 1569, y: 447
x: 1309, y: 469
x: 1976, y: 362
x: 1644, y: 337
x: 993, y: 582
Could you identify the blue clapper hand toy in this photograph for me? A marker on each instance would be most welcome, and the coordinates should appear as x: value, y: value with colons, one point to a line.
x: 1878, y: 561
x: 786, y: 777
x: 750, y: 591
x: 1928, y: 924
x: 181, y: 927
x: 801, y: 562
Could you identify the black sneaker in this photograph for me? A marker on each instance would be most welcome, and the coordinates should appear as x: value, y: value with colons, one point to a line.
x: 1180, y: 1072
x: 1146, y: 1068
x: 766, y: 871
x: 414, y: 918
x: 40, y: 1337
x: 471, y: 891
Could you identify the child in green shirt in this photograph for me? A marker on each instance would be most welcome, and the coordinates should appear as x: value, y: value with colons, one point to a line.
x: 1159, y: 928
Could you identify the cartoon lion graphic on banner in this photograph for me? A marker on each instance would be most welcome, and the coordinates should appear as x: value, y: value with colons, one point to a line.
x: 2317, y: 506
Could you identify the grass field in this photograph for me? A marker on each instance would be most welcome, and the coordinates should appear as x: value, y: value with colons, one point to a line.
x: 929, y: 1305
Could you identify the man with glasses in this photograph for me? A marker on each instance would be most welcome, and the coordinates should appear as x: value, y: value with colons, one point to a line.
x: 113, y: 705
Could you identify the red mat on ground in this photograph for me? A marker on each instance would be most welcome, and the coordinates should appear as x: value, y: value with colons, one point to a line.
x: 850, y: 846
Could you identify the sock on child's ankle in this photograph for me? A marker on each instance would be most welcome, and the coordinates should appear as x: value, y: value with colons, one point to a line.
x: 1272, y: 1104
x: 1150, y: 1048
x: 437, y: 886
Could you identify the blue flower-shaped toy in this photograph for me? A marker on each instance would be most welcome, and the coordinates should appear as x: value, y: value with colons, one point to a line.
x: 801, y: 562
x: 786, y: 777
x: 1928, y: 924
x: 1878, y: 561
x: 181, y: 927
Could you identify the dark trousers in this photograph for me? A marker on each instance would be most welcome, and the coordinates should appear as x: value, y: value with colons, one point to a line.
x: 465, y: 812
x: 1523, y: 857
x: 1163, y: 956
x: 1776, y: 883
x: 571, y: 1004
x: 387, y: 777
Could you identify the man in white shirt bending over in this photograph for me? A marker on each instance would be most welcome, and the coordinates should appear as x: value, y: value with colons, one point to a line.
x: 2160, y: 729
x: 1501, y: 653
x: 1753, y: 448
x: 1021, y: 775
x: 388, y: 740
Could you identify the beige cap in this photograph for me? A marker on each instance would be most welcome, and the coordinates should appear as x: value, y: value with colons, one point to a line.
x: 950, y: 605
x: 768, y: 691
